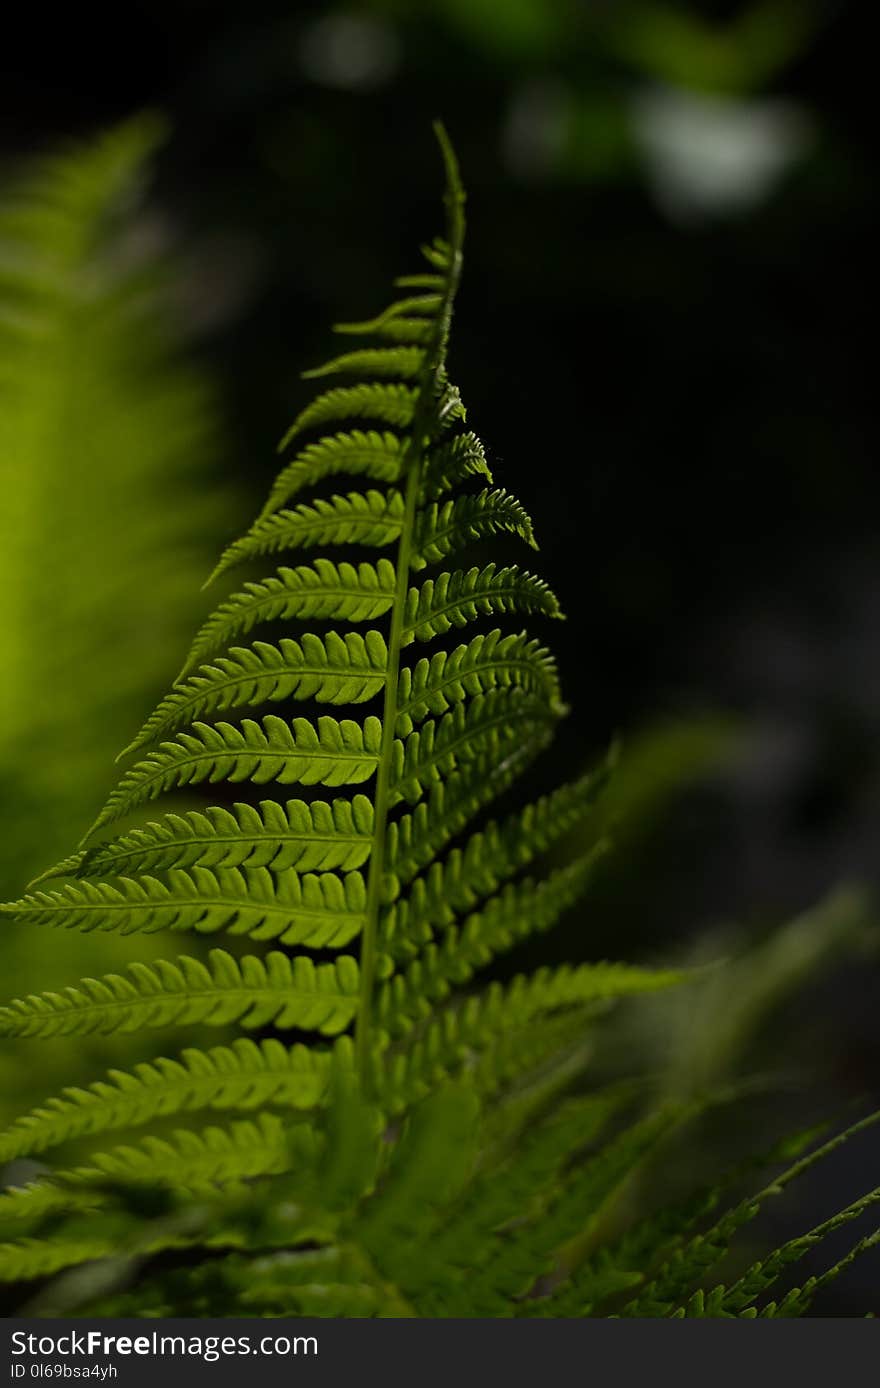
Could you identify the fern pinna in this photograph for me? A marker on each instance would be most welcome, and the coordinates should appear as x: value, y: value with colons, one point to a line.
x: 418, y: 1151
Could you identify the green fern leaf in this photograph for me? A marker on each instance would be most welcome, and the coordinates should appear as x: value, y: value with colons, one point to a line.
x: 432, y: 687
x: 189, y: 1160
x: 573, y: 1203
x: 448, y: 527
x: 245, y: 1075
x: 408, y: 331
x: 31, y: 1258
x: 415, y: 839
x: 360, y: 518
x: 520, y: 910
x: 314, y: 836
x: 454, y: 599
x: 331, y: 754
x: 486, y: 860
x: 430, y: 1165
x: 338, y: 591
x: 689, y: 1264
x: 430, y: 1159
x: 451, y: 463
x: 799, y: 1300
x: 482, y: 863
x: 420, y: 309
x: 405, y: 363
x: 485, y: 727
x: 388, y: 404
x: 504, y: 1016
x: 743, y: 1294
x: 366, y: 453
x: 106, y: 1233
x: 472, y: 1234
x: 196, y: 1161
x: 249, y: 991
x: 326, y: 1281
x: 319, y: 909
x: 625, y: 1263
x: 331, y: 670
x: 33, y: 1204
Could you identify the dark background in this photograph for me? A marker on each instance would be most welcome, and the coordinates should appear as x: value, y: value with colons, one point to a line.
x: 665, y: 337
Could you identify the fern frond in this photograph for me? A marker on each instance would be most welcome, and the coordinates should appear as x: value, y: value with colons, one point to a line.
x: 415, y: 839
x: 473, y: 1234
x: 359, y: 453
x: 331, y: 754
x: 332, y: 669
x: 432, y: 687
x: 188, y: 1162
x: 625, y: 1263
x: 319, y: 909
x: 106, y: 1231
x: 340, y: 591
x: 313, y: 836
x: 688, y: 1266
x: 488, y: 726
x: 490, y: 1062
x: 429, y: 1166
x: 743, y: 1294
x: 250, y: 991
x: 444, y: 528
x: 520, y: 910
x: 243, y: 1075
x: 360, y: 518
x: 462, y: 1035
x: 798, y: 1301
x: 196, y: 1160
x: 492, y: 854
x: 67, y: 867
x: 386, y: 404
x: 574, y: 1203
x: 454, y: 599
x: 325, y: 1281
x: 403, y: 363
x: 318, y: 1282
x: 410, y: 331
x: 451, y: 463
x: 99, y: 407
x: 420, y: 309
x: 441, y: 1155
x: 525, y: 1071
x: 421, y: 281
x: 37, y: 1201
x: 40, y: 1257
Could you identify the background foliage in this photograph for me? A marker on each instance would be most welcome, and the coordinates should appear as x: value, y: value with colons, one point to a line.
x: 100, y: 420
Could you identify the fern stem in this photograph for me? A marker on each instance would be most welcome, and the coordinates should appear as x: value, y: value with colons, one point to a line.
x: 454, y: 200
x: 376, y: 874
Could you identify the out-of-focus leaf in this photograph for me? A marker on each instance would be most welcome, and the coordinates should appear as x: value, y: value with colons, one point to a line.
x: 106, y: 440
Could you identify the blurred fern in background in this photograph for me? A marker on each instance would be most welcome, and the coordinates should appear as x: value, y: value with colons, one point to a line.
x: 101, y: 421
